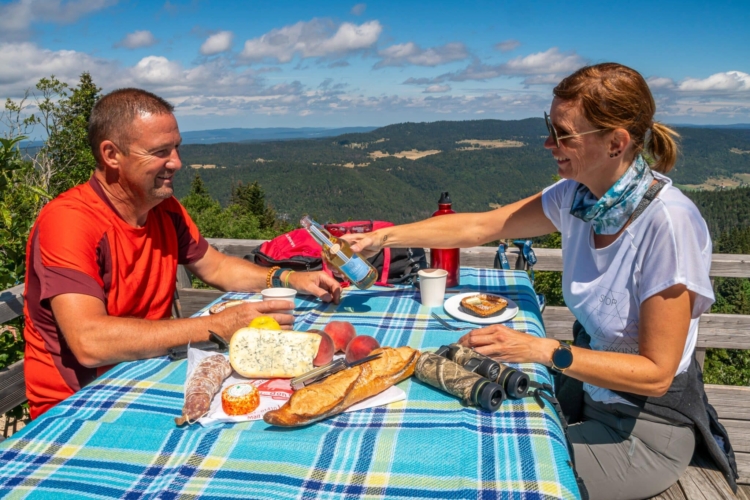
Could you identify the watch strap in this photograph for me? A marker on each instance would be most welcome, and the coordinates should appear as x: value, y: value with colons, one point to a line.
x: 276, y: 278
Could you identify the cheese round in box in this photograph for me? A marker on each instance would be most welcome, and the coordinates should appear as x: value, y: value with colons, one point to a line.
x: 259, y: 353
x: 240, y: 399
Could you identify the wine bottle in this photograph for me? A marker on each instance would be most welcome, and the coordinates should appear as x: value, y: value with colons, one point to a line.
x: 339, y: 255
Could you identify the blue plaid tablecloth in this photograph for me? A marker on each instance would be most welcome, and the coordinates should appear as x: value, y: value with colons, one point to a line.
x: 116, y: 438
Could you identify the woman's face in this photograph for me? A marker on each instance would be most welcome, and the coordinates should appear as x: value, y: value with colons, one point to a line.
x: 578, y: 158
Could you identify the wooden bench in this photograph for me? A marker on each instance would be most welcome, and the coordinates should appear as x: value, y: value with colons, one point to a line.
x: 701, y: 481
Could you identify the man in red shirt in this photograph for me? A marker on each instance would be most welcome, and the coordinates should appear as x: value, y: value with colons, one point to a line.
x: 102, y: 259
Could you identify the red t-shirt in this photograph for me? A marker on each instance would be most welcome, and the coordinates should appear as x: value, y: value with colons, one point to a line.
x: 80, y: 244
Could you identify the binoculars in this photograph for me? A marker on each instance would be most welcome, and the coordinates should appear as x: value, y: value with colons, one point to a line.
x: 515, y: 383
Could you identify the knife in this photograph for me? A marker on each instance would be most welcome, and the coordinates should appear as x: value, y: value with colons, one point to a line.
x: 318, y: 374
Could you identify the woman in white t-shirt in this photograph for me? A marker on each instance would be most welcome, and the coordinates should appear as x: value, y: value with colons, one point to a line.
x: 637, y: 284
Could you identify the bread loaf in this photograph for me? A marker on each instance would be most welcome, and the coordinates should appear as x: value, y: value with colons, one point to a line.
x: 343, y: 389
x: 258, y: 353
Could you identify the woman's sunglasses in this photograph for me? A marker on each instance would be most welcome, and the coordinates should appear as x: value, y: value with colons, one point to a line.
x: 559, y: 138
x: 340, y: 229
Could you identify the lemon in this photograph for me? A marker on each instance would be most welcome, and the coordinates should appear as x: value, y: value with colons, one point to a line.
x: 265, y: 323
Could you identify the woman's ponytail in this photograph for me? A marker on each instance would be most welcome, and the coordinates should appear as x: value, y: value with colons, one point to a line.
x: 662, y: 147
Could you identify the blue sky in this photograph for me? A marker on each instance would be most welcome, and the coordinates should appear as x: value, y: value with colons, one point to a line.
x: 274, y: 63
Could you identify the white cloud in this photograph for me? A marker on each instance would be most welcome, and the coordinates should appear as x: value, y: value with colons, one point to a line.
x: 137, y: 40
x: 550, y: 61
x: 410, y: 53
x: 359, y: 9
x: 219, y: 42
x: 660, y: 83
x: 314, y: 38
x: 507, y: 45
x: 436, y: 89
x: 729, y: 81
x: 17, y: 17
x: 539, y: 68
x: 23, y: 64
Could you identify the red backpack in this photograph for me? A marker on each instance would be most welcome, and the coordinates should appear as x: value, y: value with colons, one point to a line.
x: 299, y: 251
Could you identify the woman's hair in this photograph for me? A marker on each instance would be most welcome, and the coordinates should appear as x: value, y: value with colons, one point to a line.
x: 615, y: 96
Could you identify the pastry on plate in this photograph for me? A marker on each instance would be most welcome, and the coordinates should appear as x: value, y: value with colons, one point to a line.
x: 483, y: 304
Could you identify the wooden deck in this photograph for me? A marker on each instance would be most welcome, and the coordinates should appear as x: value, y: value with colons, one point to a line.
x: 701, y: 482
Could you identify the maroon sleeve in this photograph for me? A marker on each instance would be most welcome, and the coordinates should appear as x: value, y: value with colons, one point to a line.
x: 56, y: 278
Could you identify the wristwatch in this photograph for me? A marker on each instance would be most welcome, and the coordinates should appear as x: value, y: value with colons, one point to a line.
x: 276, y: 278
x: 562, y: 358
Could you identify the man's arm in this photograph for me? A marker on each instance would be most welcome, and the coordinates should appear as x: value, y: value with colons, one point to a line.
x: 231, y: 273
x: 98, y: 339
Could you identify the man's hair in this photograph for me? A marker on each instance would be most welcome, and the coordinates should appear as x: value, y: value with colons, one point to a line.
x: 113, y: 115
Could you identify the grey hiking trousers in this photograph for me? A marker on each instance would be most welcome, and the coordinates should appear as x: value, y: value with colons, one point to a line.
x: 622, y: 453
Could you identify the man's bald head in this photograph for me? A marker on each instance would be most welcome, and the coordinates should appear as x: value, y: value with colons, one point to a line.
x: 113, y: 116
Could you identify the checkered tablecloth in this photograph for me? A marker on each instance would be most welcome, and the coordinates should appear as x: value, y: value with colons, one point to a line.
x: 116, y: 438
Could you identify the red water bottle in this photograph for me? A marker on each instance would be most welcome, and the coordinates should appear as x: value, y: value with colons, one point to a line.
x: 446, y: 258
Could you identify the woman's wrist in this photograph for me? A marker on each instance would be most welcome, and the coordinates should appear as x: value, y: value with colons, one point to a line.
x: 545, y: 350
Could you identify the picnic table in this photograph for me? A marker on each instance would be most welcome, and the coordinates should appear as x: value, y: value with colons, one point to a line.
x: 117, y: 436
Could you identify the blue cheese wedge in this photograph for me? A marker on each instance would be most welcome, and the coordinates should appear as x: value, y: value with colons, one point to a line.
x: 257, y: 353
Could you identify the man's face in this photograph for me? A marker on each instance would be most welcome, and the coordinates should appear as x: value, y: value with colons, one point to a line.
x: 154, y: 157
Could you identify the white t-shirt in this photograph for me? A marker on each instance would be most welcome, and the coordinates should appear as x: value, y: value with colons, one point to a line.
x: 668, y: 244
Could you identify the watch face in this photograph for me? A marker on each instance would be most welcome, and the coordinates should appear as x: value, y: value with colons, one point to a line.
x: 562, y: 358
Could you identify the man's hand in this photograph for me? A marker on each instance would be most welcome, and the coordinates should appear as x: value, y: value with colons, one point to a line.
x: 234, y: 318
x: 316, y: 283
x: 508, y: 345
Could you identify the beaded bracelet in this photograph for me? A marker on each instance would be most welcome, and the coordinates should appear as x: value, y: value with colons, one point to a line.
x: 270, y: 275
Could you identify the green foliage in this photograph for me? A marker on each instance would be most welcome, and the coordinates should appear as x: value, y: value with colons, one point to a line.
x: 247, y: 217
x: 549, y: 283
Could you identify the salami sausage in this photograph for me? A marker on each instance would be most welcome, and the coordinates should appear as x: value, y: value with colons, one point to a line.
x: 202, y: 386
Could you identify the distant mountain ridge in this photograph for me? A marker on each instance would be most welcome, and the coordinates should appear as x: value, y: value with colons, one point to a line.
x: 265, y: 134
x: 397, y: 172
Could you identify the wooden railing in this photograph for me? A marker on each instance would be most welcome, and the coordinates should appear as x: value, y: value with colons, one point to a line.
x: 716, y: 330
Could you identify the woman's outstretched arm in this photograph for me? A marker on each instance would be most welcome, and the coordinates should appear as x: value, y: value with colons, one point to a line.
x: 522, y: 219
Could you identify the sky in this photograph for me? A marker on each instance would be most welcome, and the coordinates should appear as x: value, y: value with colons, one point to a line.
x: 337, y: 63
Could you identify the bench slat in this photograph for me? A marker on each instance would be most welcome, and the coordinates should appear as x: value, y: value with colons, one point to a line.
x: 729, y: 331
x: 12, y: 387
x: 11, y: 303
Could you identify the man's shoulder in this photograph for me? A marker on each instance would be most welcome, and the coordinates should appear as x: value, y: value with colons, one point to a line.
x: 78, y: 207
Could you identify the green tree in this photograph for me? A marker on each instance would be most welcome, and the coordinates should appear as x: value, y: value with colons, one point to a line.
x: 64, y: 114
x: 251, y: 199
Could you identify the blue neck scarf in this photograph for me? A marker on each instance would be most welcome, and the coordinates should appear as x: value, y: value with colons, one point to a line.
x: 609, y: 213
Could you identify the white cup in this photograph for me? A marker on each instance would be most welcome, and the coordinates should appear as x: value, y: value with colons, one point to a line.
x: 280, y: 294
x: 432, y: 286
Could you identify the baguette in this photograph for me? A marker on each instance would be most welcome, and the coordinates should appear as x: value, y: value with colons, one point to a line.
x: 345, y: 388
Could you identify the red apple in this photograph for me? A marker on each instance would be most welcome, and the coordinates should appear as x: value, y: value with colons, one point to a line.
x: 360, y: 347
x: 326, y: 349
x: 341, y: 332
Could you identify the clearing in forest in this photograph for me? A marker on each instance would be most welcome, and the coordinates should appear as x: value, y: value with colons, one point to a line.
x: 413, y: 154
x: 474, y: 144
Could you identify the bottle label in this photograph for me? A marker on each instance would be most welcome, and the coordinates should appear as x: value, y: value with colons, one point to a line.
x: 355, y: 269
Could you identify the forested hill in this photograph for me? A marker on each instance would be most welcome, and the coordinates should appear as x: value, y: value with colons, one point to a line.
x: 725, y: 210
x: 481, y: 163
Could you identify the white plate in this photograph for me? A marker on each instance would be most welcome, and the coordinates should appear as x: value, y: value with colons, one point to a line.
x: 453, y: 307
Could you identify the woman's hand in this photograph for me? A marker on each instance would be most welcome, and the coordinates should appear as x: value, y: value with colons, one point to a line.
x: 508, y: 345
x: 365, y: 244
x: 316, y: 283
